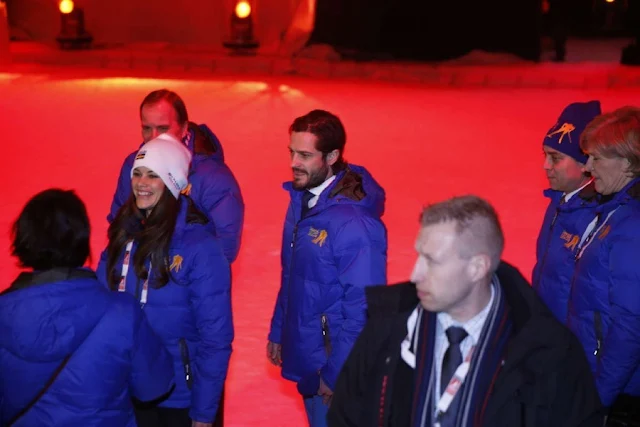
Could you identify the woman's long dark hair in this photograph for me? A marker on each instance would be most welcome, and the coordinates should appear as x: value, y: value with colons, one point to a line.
x: 152, y: 234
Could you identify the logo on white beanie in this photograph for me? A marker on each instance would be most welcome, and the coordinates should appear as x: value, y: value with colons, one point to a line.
x: 169, y: 159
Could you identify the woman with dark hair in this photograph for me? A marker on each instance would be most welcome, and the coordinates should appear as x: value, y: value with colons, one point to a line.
x: 71, y: 352
x: 160, y: 251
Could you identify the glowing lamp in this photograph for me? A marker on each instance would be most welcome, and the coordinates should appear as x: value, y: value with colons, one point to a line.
x: 610, y: 1
x: 243, y: 9
x: 242, y: 39
x: 66, y: 6
x: 72, y: 32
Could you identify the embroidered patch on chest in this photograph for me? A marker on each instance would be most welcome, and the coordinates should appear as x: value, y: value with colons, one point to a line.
x: 176, y: 263
x: 570, y: 239
x: 318, y: 236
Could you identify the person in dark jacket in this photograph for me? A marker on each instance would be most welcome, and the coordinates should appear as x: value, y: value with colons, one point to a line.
x: 160, y: 251
x: 334, y: 245
x: 571, y: 206
x: 560, y: 12
x: 71, y: 352
x: 212, y: 185
x: 466, y: 343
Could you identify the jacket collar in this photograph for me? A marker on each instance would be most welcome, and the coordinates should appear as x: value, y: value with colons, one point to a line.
x: 36, y: 278
x: 587, y: 194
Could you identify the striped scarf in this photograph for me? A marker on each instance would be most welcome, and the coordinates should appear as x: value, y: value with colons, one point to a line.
x: 485, y: 365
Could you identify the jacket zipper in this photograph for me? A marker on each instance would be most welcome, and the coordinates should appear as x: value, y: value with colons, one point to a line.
x: 381, y: 409
x: 546, y: 251
x: 293, y: 244
x: 384, y: 402
x: 325, y: 334
x: 186, y: 362
x: 597, y: 323
x: 138, y: 290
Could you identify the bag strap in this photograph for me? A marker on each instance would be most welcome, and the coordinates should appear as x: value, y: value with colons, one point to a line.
x: 37, y: 397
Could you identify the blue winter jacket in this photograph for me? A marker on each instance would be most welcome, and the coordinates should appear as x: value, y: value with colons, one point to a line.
x: 191, y: 314
x: 212, y: 187
x: 561, y: 230
x: 328, y: 258
x: 115, y: 355
x: 604, y: 309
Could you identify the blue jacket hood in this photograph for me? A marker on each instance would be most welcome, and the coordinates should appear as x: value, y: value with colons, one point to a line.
x: 203, y: 143
x: 354, y: 185
x: 55, y: 316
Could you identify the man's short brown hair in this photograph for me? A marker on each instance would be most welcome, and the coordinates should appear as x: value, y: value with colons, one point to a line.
x: 476, y: 222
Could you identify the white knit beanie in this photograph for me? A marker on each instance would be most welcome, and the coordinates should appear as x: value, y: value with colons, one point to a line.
x: 169, y: 159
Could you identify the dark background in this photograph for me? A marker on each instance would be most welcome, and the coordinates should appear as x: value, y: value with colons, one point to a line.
x: 446, y: 29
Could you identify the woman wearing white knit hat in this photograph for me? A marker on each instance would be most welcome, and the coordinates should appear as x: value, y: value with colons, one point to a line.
x: 160, y: 251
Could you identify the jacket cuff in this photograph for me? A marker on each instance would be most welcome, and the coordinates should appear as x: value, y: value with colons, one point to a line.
x: 327, y: 378
x: 201, y: 417
x: 274, y: 338
x: 309, y: 385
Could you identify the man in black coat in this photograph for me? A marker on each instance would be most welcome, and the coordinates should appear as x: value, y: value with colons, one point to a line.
x: 466, y: 343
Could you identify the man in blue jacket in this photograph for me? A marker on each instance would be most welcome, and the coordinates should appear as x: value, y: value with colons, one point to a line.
x: 334, y: 245
x: 212, y: 187
x: 571, y: 207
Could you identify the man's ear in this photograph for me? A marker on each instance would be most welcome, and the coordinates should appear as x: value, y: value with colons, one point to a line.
x: 332, y: 157
x: 478, y: 267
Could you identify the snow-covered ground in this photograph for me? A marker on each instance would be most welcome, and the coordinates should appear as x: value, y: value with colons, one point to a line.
x: 421, y: 144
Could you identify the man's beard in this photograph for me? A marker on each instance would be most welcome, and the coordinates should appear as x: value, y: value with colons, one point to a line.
x: 315, y: 178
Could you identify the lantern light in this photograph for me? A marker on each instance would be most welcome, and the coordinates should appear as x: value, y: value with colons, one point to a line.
x: 66, y: 6
x: 243, y: 9
x: 242, y: 40
x: 72, y: 32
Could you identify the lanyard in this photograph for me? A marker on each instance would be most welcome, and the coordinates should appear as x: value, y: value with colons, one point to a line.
x: 454, y: 386
x: 585, y: 242
x: 407, y: 352
x: 125, y: 270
